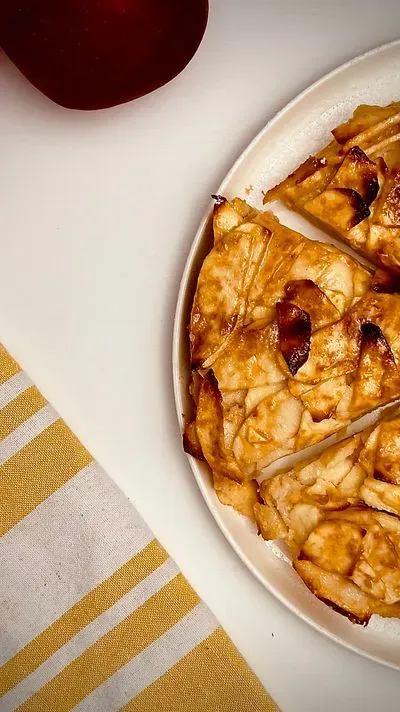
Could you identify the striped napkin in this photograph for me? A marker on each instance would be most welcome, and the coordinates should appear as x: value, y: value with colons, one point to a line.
x: 94, y: 615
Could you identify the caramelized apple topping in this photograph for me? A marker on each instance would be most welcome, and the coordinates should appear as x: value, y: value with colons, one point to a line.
x: 294, y: 327
x: 386, y: 282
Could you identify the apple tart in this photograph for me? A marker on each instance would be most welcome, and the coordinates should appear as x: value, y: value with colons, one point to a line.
x: 347, y: 553
x: 291, y: 340
x: 351, y: 561
x: 352, y: 186
x: 362, y: 470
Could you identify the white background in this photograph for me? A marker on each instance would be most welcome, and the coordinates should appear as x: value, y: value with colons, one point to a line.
x: 97, y: 215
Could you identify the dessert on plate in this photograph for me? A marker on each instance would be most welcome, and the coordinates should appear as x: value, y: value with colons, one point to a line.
x: 335, y: 514
x: 352, y: 186
x: 292, y: 340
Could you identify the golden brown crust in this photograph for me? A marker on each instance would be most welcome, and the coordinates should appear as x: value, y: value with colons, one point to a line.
x: 191, y: 443
x: 387, y: 457
x: 342, y: 595
x: 366, y: 123
x: 358, y: 174
x: 249, y: 322
x: 220, y: 302
x: 294, y: 328
x: 349, y: 558
x: 387, y: 213
x: 377, y: 375
x: 294, y: 359
x: 341, y: 208
x: 362, y: 469
x: 242, y: 497
x: 210, y: 430
x: 290, y: 341
x: 361, y: 549
x: 267, y: 396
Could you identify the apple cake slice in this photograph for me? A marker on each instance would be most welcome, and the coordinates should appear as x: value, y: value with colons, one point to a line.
x: 345, y: 552
x: 361, y: 470
x: 352, y: 186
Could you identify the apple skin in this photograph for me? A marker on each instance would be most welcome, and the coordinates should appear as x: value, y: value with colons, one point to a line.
x: 92, y: 54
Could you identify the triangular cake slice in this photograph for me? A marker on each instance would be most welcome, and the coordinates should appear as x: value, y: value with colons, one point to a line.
x: 351, y: 561
x: 348, y: 554
x: 362, y: 470
x: 352, y: 186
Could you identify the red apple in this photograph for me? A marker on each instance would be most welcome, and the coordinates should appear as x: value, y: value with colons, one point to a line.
x: 90, y: 54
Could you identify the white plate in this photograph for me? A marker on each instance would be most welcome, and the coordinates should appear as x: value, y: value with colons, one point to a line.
x: 303, y: 127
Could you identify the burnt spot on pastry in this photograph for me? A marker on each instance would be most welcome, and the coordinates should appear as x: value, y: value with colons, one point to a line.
x: 371, y: 189
x: 219, y: 200
x: 294, y: 328
x: 386, y: 282
x: 297, y: 286
x: 309, y: 297
x: 366, y: 174
x: 372, y: 338
x: 196, y: 364
x: 350, y: 616
x: 210, y: 384
x: 360, y: 209
x: 380, y: 477
x: 377, y: 379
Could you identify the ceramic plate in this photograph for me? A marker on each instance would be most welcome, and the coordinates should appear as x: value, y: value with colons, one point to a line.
x: 302, y: 128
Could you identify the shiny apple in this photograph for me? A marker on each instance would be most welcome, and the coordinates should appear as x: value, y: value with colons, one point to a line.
x: 91, y: 54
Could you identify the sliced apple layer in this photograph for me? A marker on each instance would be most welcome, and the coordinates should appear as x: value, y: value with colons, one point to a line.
x: 351, y: 561
x: 352, y: 186
x: 291, y: 340
x: 326, y: 510
x: 361, y: 470
x: 253, y: 259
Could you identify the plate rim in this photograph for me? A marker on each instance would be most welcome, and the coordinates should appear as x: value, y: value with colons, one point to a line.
x: 176, y: 347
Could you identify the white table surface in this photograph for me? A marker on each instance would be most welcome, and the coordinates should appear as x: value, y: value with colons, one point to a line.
x: 97, y: 215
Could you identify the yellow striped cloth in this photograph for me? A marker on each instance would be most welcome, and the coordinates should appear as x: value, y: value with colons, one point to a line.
x: 94, y: 615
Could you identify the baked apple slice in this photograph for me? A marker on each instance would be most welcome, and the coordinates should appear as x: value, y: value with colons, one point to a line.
x: 319, y: 382
x: 351, y: 561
